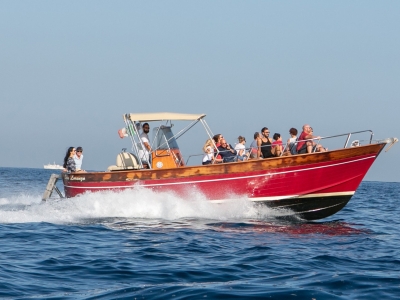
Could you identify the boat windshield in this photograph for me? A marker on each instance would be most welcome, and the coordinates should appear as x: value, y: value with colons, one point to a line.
x: 165, y: 138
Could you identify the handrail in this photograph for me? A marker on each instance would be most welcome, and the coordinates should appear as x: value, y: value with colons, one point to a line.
x: 192, y: 156
x: 349, y: 134
x: 333, y: 136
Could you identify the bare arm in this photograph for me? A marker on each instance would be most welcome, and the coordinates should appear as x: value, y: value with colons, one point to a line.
x: 147, y: 145
x: 310, y: 136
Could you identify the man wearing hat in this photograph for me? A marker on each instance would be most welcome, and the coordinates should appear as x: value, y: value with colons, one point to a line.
x: 78, y: 157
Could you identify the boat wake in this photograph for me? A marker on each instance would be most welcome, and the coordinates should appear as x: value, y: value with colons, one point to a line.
x: 140, y: 209
x: 137, y: 203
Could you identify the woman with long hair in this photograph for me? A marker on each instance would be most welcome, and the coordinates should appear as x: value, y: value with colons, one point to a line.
x: 217, y: 139
x: 69, y: 162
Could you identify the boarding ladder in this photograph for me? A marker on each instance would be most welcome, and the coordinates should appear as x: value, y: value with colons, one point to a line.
x: 51, y: 186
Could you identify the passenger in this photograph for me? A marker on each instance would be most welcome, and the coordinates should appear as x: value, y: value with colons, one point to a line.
x: 78, y: 157
x: 254, y: 146
x: 317, y: 147
x: 217, y: 140
x: 241, y: 149
x: 227, y: 153
x: 291, y: 143
x: 144, y: 154
x: 264, y: 144
x: 306, y: 144
x: 208, y: 149
x: 69, y: 162
x: 277, y: 146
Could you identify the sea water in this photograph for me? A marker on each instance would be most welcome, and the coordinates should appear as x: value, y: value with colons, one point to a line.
x: 139, y: 244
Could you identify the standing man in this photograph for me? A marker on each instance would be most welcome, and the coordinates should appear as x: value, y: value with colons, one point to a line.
x: 78, y: 158
x: 144, y: 154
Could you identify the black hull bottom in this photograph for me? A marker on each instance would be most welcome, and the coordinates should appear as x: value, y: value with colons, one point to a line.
x: 312, y: 208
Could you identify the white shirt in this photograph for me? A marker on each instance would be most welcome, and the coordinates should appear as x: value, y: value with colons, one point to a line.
x: 78, y: 161
x: 144, y: 153
x: 209, y: 155
x: 239, y: 147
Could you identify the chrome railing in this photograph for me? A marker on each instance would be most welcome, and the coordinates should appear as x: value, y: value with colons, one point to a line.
x: 317, y: 142
x: 332, y: 137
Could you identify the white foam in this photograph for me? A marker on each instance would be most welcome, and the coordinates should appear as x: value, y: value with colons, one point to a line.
x: 136, y: 203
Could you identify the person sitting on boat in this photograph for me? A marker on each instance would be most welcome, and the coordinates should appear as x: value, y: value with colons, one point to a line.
x: 241, y: 148
x: 227, y: 152
x: 254, y: 148
x: 277, y: 146
x: 208, y: 149
x: 78, y: 158
x: 306, y: 143
x: 265, y: 144
x: 217, y: 141
x: 69, y: 162
x: 291, y: 142
x: 317, y: 147
x: 144, y: 154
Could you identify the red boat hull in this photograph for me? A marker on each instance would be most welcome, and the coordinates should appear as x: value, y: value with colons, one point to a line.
x: 311, y: 186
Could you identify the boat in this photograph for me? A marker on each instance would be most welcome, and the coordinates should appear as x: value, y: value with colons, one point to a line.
x: 53, y: 166
x: 307, y: 186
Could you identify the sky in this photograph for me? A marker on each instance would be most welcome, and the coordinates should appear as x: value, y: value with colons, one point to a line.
x: 69, y: 70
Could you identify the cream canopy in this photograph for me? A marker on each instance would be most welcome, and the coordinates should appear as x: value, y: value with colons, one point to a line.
x: 163, y: 116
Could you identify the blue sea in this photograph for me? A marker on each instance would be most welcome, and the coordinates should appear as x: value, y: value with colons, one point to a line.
x: 139, y: 244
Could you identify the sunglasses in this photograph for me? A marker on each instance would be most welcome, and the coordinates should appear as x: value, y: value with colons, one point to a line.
x: 79, y: 151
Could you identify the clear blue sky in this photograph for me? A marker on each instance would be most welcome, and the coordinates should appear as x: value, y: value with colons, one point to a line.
x: 70, y: 69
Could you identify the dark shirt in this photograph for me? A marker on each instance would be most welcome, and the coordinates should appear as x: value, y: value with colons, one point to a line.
x: 226, y: 154
x: 71, y: 167
x: 266, y: 149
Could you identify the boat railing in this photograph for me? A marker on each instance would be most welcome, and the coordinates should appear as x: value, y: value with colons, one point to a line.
x: 347, y: 137
x: 193, y: 155
x: 217, y: 152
